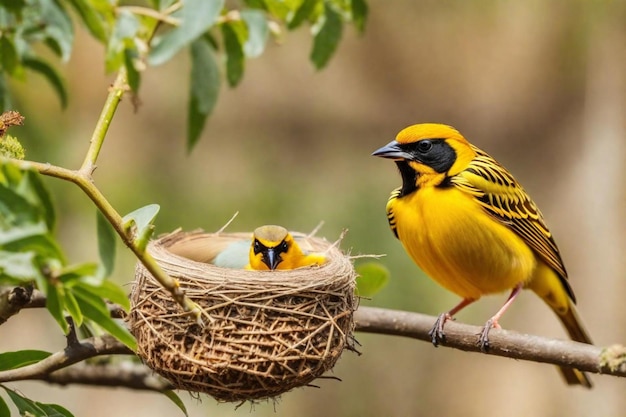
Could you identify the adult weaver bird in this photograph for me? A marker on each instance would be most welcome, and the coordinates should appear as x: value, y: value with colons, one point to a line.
x: 469, y: 225
x: 272, y: 247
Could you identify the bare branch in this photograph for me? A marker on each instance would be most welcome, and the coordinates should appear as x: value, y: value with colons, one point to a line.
x: 88, y: 348
x: 137, y: 377
x: 589, y: 358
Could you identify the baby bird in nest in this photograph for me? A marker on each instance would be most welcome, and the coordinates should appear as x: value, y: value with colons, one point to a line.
x: 272, y: 248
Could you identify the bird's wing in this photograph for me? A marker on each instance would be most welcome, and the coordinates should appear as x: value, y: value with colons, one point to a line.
x: 495, y: 189
x: 235, y: 255
x: 391, y: 217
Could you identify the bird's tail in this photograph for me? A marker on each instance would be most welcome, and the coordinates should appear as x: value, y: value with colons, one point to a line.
x: 577, y: 332
x: 553, y: 290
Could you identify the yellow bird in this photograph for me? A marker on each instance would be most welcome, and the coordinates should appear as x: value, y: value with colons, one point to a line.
x: 469, y: 225
x: 273, y: 247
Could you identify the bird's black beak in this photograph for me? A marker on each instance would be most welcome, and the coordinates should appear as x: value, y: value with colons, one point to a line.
x: 271, y: 258
x: 392, y: 150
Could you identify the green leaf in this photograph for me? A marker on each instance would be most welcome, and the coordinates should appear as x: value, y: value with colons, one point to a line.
x: 305, y: 9
x: 326, y: 39
x: 373, y: 276
x: 142, y: 219
x: 16, y: 209
x: 108, y: 290
x: 132, y: 74
x: 106, y: 244
x: 30, y: 408
x: 34, y: 190
x: 90, y: 17
x: 49, y: 74
x: 124, y: 32
x: 94, y: 308
x: 258, y: 32
x: 54, y: 410
x: 279, y: 8
x: 14, y: 360
x: 72, y: 307
x: 4, y: 409
x: 359, y: 13
x: 55, y: 303
x: 57, y: 28
x: 176, y: 400
x: 42, y: 244
x: 197, y: 16
x: 205, y: 87
x: 9, y: 59
x: 234, y: 54
x: 24, y: 405
x: 18, y: 267
x: 75, y: 274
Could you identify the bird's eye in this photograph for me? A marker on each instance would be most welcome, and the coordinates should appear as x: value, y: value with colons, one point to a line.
x: 257, y: 246
x: 284, y: 246
x: 424, y: 146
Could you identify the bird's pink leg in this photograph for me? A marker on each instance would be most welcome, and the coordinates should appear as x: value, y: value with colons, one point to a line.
x: 436, y: 333
x: 483, y: 340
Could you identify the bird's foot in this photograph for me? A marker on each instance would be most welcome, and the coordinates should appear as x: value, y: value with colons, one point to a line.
x: 436, y: 333
x: 483, y: 340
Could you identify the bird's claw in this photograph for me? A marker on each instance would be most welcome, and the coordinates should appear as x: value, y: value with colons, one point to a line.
x: 483, y: 339
x: 436, y: 334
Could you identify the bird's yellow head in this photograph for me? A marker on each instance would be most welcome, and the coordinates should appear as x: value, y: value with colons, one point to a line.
x: 269, y: 245
x: 428, y: 153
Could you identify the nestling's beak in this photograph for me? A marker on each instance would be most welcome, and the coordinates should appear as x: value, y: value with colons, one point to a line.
x: 392, y: 150
x: 271, y: 258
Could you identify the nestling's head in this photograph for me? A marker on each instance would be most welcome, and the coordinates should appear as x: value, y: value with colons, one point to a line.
x: 269, y: 244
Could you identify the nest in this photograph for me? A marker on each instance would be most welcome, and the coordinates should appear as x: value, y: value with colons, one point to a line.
x: 269, y: 331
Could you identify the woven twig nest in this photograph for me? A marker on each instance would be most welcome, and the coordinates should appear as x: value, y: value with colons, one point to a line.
x: 270, y: 331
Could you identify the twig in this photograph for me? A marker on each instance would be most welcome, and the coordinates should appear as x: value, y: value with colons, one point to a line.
x: 504, y: 343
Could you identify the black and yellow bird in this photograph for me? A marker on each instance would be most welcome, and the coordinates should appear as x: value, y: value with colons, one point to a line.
x: 469, y: 225
x: 273, y: 247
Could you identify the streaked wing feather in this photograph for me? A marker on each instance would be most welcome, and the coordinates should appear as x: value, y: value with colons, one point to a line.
x: 495, y: 189
x: 390, y: 215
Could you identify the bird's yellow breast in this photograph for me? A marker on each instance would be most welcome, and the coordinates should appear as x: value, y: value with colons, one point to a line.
x: 455, y: 242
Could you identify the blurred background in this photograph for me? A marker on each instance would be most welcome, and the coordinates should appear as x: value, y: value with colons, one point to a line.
x: 539, y: 85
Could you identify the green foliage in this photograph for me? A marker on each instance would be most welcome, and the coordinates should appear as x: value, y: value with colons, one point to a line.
x: 29, y: 254
x: 372, y: 277
x: 327, y: 37
x: 13, y: 360
x: 27, y: 407
x: 139, y: 36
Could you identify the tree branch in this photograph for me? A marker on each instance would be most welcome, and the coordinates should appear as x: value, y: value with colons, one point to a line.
x: 137, y: 377
x: 88, y: 348
x: 588, y: 358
